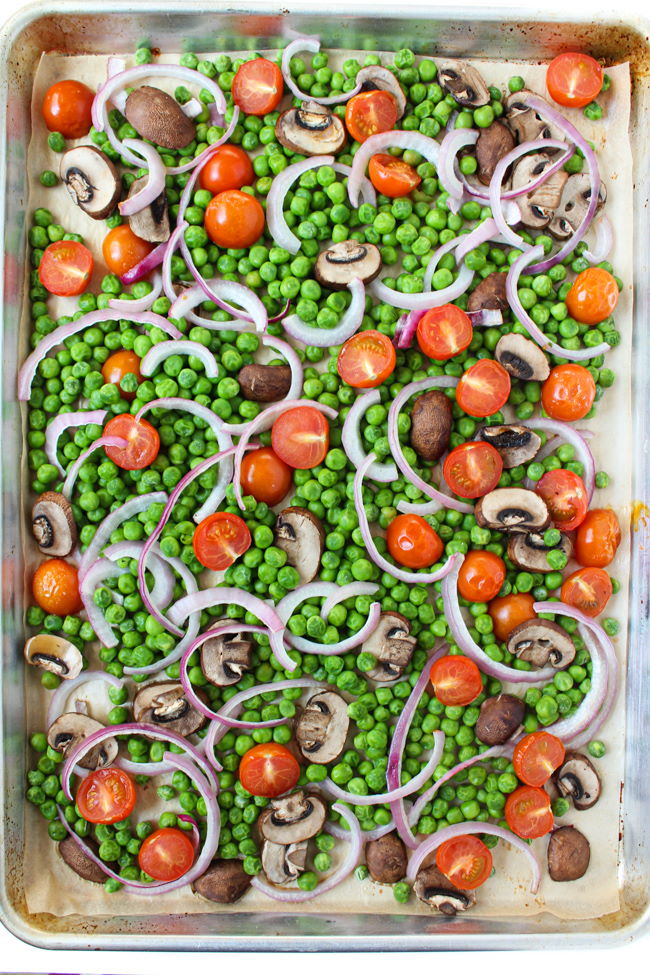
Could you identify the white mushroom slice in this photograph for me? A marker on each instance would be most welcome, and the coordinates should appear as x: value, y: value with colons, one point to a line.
x: 515, y: 443
x: 283, y: 863
x: 512, y: 510
x: 530, y: 551
x: 433, y: 888
x: 574, y: 204
x: 541, y: 642
x: 225, y: 659
x: 70, y: 729
x: 91, y: 179
x: 292, y: 819
x: 53, y: 524
x: 311, y: 130
x: 165, y: 704
x: 525, y: 122
x: 578, y: 780
x: 464, y: 82
x: 522, y: 358
x: 537, y: 208
x: 55, y: 654
x: 300, y: 534
x: 374, y: 76
x: 152, y: 223
x: 392, y: 645
x: 322, y: 727
x: 340, y: 264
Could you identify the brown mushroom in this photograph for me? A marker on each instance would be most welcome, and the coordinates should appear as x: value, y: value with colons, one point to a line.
x: 292, y: 818
x: 322, y: 727
x: 282, y: 862
x: 53, y: 524
x: 568, y: 854
x: 499, y: 718
x: 77, y: 860
x: 55, y: 654
x: 490, y: 293
x: 515, y: 443
x: 264, y: 384
x: 537, y: 208
x: 165, y: 704
x: 224, y: 882
x: 300, y: 534
x: 91, y: 179
x: 225, y: 659
x: 151, y: 223
x: 578, y: 780
x: 374, y: 76
x: 512, y: 510
x: 158, y: 117
x: 433, y: 888
x: 341, y: 263
x: 392, y: 645
x: 521, y: 358
x: 527, y: 124
x: 431, y: 423
x: 541, y: 642
x: 311, y: 129
x: 386, y: 859
x: 70, y: 729
x: 464, y: 82
x: 493, y: 143
x: 530, y: 551
x: 574, y: 204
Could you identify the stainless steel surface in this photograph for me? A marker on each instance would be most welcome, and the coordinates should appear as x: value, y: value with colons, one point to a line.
x: 90, y: 28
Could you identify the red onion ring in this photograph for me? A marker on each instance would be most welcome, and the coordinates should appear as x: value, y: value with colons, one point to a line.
x: 63, y: 424
x: 155, y: 184
x: 453, y: 142
x: 351, y: 439
x: 577, y: 441
x: 138, y: 304
x: 349, y: 591
x: 100, y: 571
x: 134, y: 506
x: 163, y: 589
x: 423, y: 300
x: 188, y: 299
x: 309, y: 44
x: 311, y: 590
x: 406, y: 327
x: 148, y: 264
x: 276, y: 224
x: 324, y: 338
x: 600, y: 249
x: 416, y: 811
x: 341, y: 646
x: 162, y: 350
x: 397, y: 138
x: 393, y: 794
x: 71, y: 476
x: 368, y: 193
x: 199, y: 161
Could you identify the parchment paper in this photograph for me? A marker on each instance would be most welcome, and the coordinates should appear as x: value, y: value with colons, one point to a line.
x: 51, y: 887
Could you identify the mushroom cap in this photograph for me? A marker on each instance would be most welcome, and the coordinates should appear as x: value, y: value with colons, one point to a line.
x: 431, y: 423
x: 521, y: 358
x: 492, y: 144
x: 264, y: 384
x: 53, y: 524
x: 374, y: 77
x: 322, y: 727
x: 341, y: 263
x: 577, y: 779
x: 311, y: 129
x: 541, y: 642
x: 464, y: 82
x: 158, y: 117
x: 386, y: 859
x: 55, y: 654
x: 224, y: 882
x: 151, y: 223
x: 91, y: 179
x: 530, y: 551
x: 537, y: 208
x: 300, y: 534
x: 293, y: 818
x: 392, y: 645
x: 70, y: 729
x: 568, y: 854
x: 164, y: 703
x: 517, y: 444
x: 283, y: 863
x: 499, y: 718
x: 433, y: 888
x: 490, y: 293
x: 76, y: 859
x: 225, y: 659
x: 574, y: 204
x: 512, y: 510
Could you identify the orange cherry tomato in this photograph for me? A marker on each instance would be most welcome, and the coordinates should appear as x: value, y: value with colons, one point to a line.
x: 456, y: 680
x: 122, y: 249
x: 67, y: 109
x: 220, y: 539
x: 56, y: 588
x: 166, y: 854
x: 569, y: 392
x: 66, y: 268
x: 574, y: 79
x: 268, y: 770
x: 536, y: 757
x: 597, y: 538
x: 481, y: 576
x: 413, y: 542
x: 483, y: 388
x: 367, y: 359
x: 565, y: 496
x: 234, y: 219
x: 507, y: 612
x: 473, y: 469
x: 265, y: 476
x: 106, y: 796
x: 444, y: 332
x: 118, y: 365
x: 258, y: 87
x: 392, y: 176
x: 528, y: 812
x: 593, y: 296
x: 370, y: 112
x: 588, y: 590
x: 301, y: 437
x: 143, y: 442
x: 229, y: 168
x: 465, y: 860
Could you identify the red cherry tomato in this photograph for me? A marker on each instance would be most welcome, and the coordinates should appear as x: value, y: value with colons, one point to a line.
x: 536, y: 757
x: 166, y: 854
x: 593, y: 296
x: 234, y: 219
x: 258, y: 87
x: 143, y: 442
x: 574, y: 79
x: 481, y: 576
x: 483, y: 388
x: 301, y: 437
x: 473, y: 469
x: 528, y: 812
x: 55, y: 587
x: 444, y: 332
x: 392, y: 176
x: 66, y: 268
x: 229, y: 168
x: 118, y: 365
x: 220, y: 539
x: 122, y: 249
x: 413, y: 542
x: 507, y: 612
x: 465, y: 860
x: 370, y: 112
x: 265, y: 476
x: 456, y: 680
x: 67, y: 109
x: 367, y: 359
x: 569, y: 392
x: 588, y: 590
x: 597, y: 538
x: 268, y: 770
x: 106, y: 796
x: 565, y: 496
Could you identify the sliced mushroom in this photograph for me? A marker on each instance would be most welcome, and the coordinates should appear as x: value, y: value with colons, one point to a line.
x: 76, y: 859
x: 530, y: 551
x: 431, y: 423
x: 392, y: 645
x: 322, y: 727
x: 574, y: 204
x: 568, y: 854
x: 578, y: 780
x: 311, y: 130
x: 300, y: 534
x: 55, y: 654
x: 490, y: 293
x: 152, y: 223
x: 341, y: 263
x: 522, y: 358
x: 225, y: 659
x: 224, y: 882
x: 464, y: 82
x: 524, y: 122
x: 493, y: 143
x: 53, y: 524
x: 91, y: 179
x: 386, y: 859
x: 512, y: 510
x: 159, y: 118
x: 516, y: 443
x: 541, y: 642
x: 165, y: 704
x: 433, y: 888
x: 292, y: 819
x: 537, y: 208
x: 283, y: 863
x: 264, y: 384
x: 70, y: 729
x: 374, y: 76
x: 499, y: 718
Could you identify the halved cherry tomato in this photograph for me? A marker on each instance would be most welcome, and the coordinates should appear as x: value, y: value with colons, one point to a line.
x: 536, y: 757
x: 258, y: 87
x: 265, y: 476
x: 507, y: 612
x: 456, y: 680
x: 118, y: 365
x: 481, y: 576
x: 473, y: 469
x: 574, y: 79
x: 220, y: 539
x: 569, y: 392
x: 367, y: 359
x: 392, y: 176
x: 444, y: 332
x: 143, y: 442
x: 106, y: 796
x: 465, y: 860
x: 56, y: 588
x: 66, y: 268
x: 483, y: 388
x: 597, y: 538
x: 528, y: 812
x: 301, y: 437
x: 234, y: 219
x: 588, y: 590
x: 229, y: 168
x: 268, y: 770
x: 413, y: 542
x: 565, y: 496
x: 122, y: 249
x: 370, y: 112
x: 67, y: 109
x: 166, y: 854
x: 593, y: 296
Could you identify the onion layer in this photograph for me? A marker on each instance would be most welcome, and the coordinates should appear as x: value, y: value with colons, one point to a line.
x: 351, y: 439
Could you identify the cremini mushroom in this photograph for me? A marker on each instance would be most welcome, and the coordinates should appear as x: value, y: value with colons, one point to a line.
x: 225, y: 659
x: 490, y: 293
x: 292, y: 818
x: 283, y: 863
x: 568, y: 854
x: 493, y: 143
x: 156, y: 116
x: 311, y: 130
x: 91, y: 179
x: 151, y: 223
x: 464, y: 82
x: 264, y: 384
x: 499, y: 718
x: 574, y: 204
x: 165, y: 704
x: 321, y: 727
x: 53, y: 524
x: 55, y: 654
x: 224, y: 882
x: 515, y: 443
x: 70, y: 729
x: 434, y: 889
x: 537, y: 208
x: 431, y: 423
x: 386, y: 859
x: 392, y: 645
x: 374, y: 76
x: 300, y: 534
x: 521, y: 358
x: 541, y: 642
x: 524, y: 121
x: 512, y: 510
x: 530, y: 551
x: 578, y: 780
x: 341, y: 263
x: 76, y: 859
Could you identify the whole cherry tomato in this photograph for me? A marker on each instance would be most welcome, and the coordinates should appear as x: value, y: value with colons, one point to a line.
x: 574, y: 79
x: 413, y: 542
x: 56, y: 588
x: 392, y: 176
x: 122, y: 249
x: 229, y: 168
x: 268, y: 770
x: 369, y: 113
x: 569, y: 392
x: 588, y: 590
x: 366, y: 360
x: 481, y: 576
x: 265, y: 476
x: 120, y: 364
x: 234, y: 219
x: 565, y: 496
x: 507, y: 612
x: 593, y: 296
x: 67, y: 108
x: 597, y: 538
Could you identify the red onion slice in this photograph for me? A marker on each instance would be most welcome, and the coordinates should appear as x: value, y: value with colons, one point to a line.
x: 486, y: 230
x: 341, y: 646
x: 276, y: 224
x: 423, y: 301
x: 163, y: 590
x: 61, y: 695
x: 222, y: 292
x: 453, y: 142
x: 98, y: 573
x: 71, y: 476
x: 392, y: 794
x: 349, y: 591
x: 352, y: 443
x: 479, y: 192
x: 600, y: 249
x: 199, y: 161
x: 113, y: 520
x: 367, y: 835
x: 407, y: 327
x: 434, y: 260
x: 63, y: 423
x: 311, y: 590
x: 324, y: 338
x: 571, y: 436
x: 297, y: 377
x: 309, y: 44
x: 148, y: 264
x: 368, y: 193
x: 154, y: 186
x: 162, y: 350
x: 398, y: 139
x: 138, y: 304
x: 416, y: 811
x: 188, y: 299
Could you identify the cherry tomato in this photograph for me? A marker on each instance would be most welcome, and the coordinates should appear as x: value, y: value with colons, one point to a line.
x: 118, y: 365
x: 597, y: 538
x: 143, y: 442
x: 301, y: 437
x: 593, y: 296
x: 392, y: 176
x: 370, y: 112
x: 367, y: 359
x: 268, y: 770
x: 234, y: 219
x: 56, y: 588
x: 413, y: 542
x: 66, y: 268
x: 220, y: 539
x: 565, y: 496
x: 258, y: 87
x: 473, y: 469
x: 528, y: 812
x: 122, y: 249
x: 166, y: 854
x: 106, y: 796
x: 483, y: 388
x: 444, y: 332
x: 574, y: 79
x: 509, y: 611
x: 569, y: 392
x: 265, y: 476
x: 465, y: 860
x: 67, y: 109
x: 481, y: 576
x: 456, y: 681
x: 588, y: 590
x: 229, y: 168
x: 536, y: 757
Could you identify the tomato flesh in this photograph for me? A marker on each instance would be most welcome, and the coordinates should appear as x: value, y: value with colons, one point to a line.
x: 106, y: 796
x: 258, y: 87
x: 597, y: 538
x: 465, y: 861
x: 67, y: 108
x: 55, y: 587
x: 66, y: 268
x: 265, y: 476
x: 569, y: 392
x: 120, y: 364
x: 507, y: 612
x: 142, y: 442
x: 234, y: 219
x: 588, y: 590
x: 268, y: 770
x: 122, y: 249
x: 366, y: 360
x: 413, y: 542
x: 565, y: 496
x: 574, y: 79
x: 444, y: 332
x: 473, y: 469
x: 536, y: 757
x: 166, y: 854
x: 593, y: 296
x: 301, y: 437
x: 483, y: 388
x: 220, y: 539
x: 391, y: 176
x: 369, y: 113
x: 229, y: 168
x: 456, y: 680
x: 528, y: 812
x: 481, y: 576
